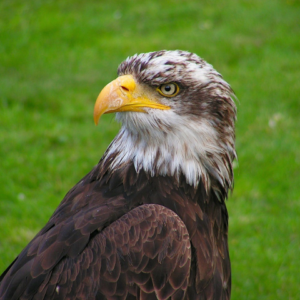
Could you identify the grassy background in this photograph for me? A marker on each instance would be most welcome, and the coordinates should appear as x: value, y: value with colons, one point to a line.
x: 55, y: 56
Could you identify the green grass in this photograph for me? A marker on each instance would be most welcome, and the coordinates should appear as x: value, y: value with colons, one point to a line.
x: 55, y: 57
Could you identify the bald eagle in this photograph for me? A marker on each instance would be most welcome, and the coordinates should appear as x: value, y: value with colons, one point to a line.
x: 149, y: 221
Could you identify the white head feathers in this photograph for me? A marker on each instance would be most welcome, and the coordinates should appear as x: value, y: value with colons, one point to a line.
x: 195, y: 137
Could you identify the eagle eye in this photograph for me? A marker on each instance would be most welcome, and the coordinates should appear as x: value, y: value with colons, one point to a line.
x: 168, y: 89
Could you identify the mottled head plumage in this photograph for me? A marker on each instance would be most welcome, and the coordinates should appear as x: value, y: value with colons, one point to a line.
x: 160, y: 67
x: 196, y: 137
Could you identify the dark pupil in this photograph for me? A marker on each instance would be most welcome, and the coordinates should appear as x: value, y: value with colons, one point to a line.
x: 167, y: 88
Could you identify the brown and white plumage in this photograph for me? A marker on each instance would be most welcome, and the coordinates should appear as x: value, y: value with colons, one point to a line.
x: 149, y: 221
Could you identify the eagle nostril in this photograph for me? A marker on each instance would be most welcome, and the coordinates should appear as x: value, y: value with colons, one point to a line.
x: 124, y: 88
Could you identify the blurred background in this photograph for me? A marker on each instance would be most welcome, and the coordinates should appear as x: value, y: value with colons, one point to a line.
x: 56, y: 56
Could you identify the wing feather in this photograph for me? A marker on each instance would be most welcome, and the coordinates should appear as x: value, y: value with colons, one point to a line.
x: 145, y: 258
x: 107, y: 233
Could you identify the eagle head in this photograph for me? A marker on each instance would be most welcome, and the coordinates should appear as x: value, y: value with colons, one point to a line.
x: 178, y: 118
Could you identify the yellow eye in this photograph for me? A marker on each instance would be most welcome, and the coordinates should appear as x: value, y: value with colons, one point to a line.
x: 168, y: 89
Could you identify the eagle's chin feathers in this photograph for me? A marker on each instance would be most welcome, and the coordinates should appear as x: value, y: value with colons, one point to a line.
x: 194, y: 138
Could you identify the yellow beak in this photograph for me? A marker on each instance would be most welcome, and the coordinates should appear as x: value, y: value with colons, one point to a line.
x: 123, y: 94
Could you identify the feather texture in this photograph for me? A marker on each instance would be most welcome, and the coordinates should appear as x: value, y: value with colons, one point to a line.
x: 150, y: 220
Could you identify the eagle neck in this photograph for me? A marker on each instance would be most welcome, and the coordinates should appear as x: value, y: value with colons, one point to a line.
x: 177, y: 154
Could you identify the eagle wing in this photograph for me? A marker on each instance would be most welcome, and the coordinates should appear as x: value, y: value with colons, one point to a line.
x: 101, y: 251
